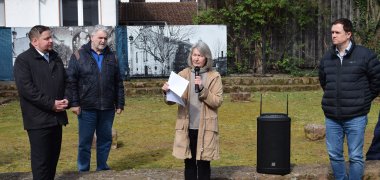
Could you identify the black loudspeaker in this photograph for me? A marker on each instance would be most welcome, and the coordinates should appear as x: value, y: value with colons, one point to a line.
x: 273, y: 142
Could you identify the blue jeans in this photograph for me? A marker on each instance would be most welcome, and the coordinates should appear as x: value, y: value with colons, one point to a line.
x: 354, y: 130
x: 90, y: 121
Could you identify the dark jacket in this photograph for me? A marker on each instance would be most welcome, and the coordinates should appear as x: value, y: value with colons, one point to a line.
x: 91, y: 89
x: 39, y: 84
x: 349, y: 87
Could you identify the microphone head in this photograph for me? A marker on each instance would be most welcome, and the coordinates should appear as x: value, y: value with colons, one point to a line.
x: 197, y: 68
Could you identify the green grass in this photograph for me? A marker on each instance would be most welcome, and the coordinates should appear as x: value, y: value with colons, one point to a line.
x: 146, y: 132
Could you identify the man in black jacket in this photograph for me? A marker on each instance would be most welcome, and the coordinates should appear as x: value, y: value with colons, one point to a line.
x: 350, y: 77
x: 40, y: 81
x: 97, y: 91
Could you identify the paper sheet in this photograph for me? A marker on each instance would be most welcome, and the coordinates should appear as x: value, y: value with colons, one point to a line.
x: 171, y: 96
x: 177, y: 86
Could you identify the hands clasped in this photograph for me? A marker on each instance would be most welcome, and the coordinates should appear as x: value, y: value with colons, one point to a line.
x: 60, y: 105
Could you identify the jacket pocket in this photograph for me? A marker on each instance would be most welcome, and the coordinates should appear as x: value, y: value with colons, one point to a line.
x: 211, y: 124
x: 181, y: 140
x: 179, y: 125
x: 211, y: 139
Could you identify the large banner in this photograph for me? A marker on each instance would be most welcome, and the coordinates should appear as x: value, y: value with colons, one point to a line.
x: 66, y: 40
x: 142, y: 51
x: 155, y: 51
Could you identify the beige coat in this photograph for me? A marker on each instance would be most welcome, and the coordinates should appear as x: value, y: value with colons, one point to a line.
x: 208, y: 135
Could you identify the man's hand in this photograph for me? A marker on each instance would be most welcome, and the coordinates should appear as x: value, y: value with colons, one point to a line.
x: 75, y: 110
x: 60, y: 105
x: 118, y: 111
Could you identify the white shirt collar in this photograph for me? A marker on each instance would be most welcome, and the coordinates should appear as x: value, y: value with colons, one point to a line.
x: 42, y: 54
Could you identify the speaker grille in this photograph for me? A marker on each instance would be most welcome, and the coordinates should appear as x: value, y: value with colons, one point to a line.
x: 273, y: 143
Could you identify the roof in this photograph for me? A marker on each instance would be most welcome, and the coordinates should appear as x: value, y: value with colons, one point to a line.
x: 141, y: 13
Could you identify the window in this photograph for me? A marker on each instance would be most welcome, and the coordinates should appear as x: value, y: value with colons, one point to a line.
x: 90, y: 12
x: 80, y: 12
x: 69, y: 13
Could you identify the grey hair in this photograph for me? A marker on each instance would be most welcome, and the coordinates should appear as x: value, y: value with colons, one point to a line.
x: 205, y: 51
x: 99, y: 28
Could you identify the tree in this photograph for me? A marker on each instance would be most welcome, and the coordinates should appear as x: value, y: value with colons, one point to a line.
x: 367, y: 23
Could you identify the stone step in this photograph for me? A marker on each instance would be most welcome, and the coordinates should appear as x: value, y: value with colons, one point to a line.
x: 9, y: 93
x: 269, y: 81
x: 143, y: 91
x: 229, y: 89
x: 4, y: 100
x: 230, y: 84
x: 7, y: 85
x: 277, y: 88
x: 144, y: 83
x: 233, y: 81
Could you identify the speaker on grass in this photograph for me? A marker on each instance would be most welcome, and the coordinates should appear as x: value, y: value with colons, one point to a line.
x: 273, y: 143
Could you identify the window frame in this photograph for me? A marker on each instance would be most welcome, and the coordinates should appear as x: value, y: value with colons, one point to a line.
x: 80, y: 13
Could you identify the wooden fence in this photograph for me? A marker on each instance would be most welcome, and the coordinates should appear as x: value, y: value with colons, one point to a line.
x: 310, y: 44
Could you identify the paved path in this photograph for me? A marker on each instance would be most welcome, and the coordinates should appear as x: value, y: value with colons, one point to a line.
x: 303, y: 172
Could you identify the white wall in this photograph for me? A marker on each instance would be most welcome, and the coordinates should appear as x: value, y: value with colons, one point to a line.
x: 21, y: 13
x: 28, y: 13
x: 155, y: 1
x: 108, y: 12
x: 49, y: 12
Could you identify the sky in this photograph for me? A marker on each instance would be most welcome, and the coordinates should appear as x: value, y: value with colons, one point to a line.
x: 215, y: 36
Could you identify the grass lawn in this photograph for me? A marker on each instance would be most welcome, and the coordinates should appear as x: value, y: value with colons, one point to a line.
x: 146, y: 131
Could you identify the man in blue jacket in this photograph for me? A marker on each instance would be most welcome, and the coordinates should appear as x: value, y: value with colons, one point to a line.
x: 349, y: 75
x: 97, y: 91
x: 40, y: 80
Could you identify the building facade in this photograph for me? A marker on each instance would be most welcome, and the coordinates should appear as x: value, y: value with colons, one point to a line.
x: 58, y: 12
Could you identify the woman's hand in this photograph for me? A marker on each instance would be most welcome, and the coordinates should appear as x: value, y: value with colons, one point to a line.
x: 198, y: 81
x: 165, y: 87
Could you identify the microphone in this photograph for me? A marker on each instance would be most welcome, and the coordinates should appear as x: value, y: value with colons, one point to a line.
x: 196, y: 72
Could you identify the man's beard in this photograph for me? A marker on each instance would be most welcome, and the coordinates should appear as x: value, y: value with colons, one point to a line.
x: 101, y: 46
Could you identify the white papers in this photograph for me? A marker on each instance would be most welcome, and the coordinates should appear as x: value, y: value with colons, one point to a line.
x: 171, y: 96
x: 177, y: 86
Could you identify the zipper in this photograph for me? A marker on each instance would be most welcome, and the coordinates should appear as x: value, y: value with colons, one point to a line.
x: 100, y: 90
x: 338, y: 112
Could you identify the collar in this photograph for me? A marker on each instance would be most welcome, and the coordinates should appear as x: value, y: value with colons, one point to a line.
x: 94, y: 52
x: 42, y: 54
x: 346, y: 50
x: 201, y: 70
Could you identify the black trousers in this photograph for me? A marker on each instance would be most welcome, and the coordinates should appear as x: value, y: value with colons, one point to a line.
x: 374, y: 150
x: 196, y: 169
x: 45, y: 147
